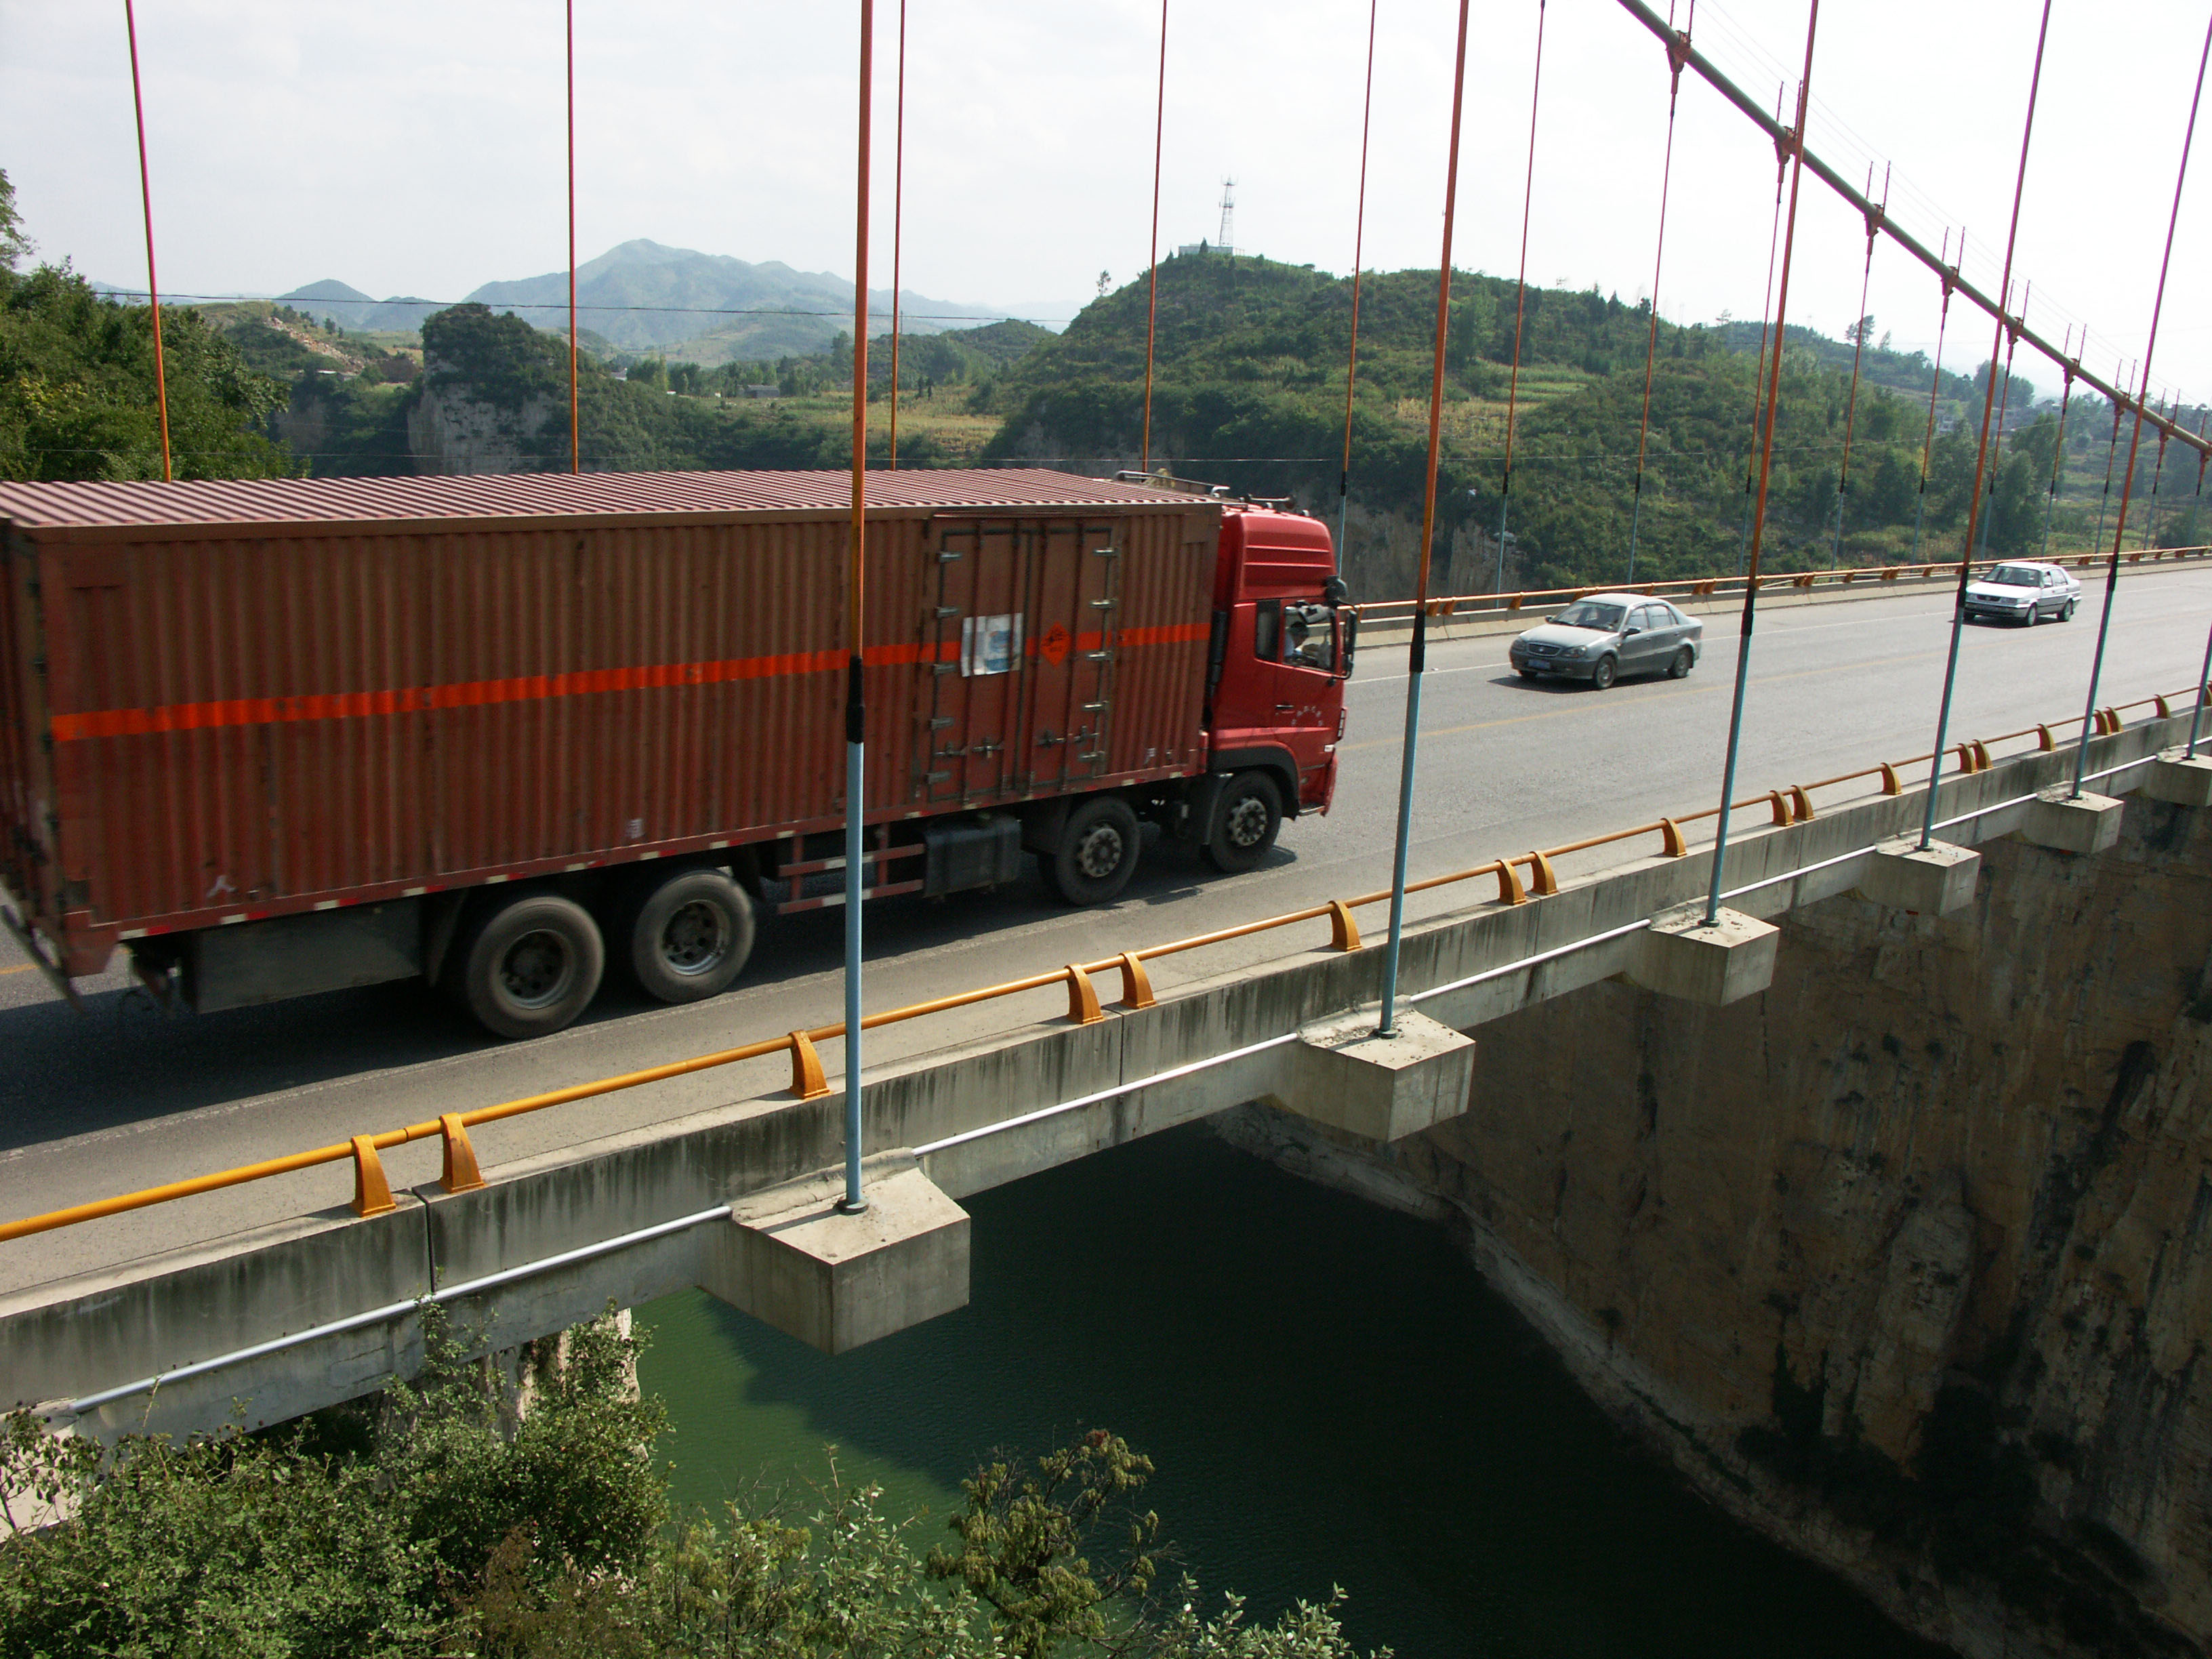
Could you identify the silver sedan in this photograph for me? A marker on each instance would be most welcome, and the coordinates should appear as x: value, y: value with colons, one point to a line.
x: 1606, y: 635
x: 2023, y: 592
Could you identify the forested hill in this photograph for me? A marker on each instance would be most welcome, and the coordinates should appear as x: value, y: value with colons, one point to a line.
x: 1250, y: 390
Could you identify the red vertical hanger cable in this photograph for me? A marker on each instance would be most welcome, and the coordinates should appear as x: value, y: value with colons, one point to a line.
x: 1678, y: 53
x: 1766, y: 315
x: 1858, y: 352
x: 1935, y: 387
x: 146, y: 197
x: 1153, y: 250
x: 1358, y: 248
x: 2059, y: 444
x: 898, y: 223
x: 1520, y: 301
x: 575, y: 424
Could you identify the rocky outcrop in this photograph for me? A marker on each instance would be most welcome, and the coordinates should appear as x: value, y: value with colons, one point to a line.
x: 1905, y: 1262
x: 452, y: 428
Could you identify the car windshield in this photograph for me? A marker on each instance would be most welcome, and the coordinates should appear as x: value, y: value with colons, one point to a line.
x: 2015, y: 575
x: 1606, y: 618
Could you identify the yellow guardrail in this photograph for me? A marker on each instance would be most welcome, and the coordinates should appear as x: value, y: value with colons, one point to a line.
x: 373, y: 1192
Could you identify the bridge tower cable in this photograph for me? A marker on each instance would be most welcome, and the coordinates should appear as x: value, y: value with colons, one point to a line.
x: 856, y: 625
x: 1858, y: 352
x: 1797, y: 157
x: 1417, y: 656
x: 1678, y: 51
x: 1153, y: 251
x: 2111, y: 454
x: 1766, y: 312
x: 1358, y: 248
x: 1520, y: 301
x: 146, y: 198
x: 1982, y: 454
x: 2059, y: 452
x: 1911, y: 245
x: 1950, y: 274
x: 2134, y: 442
x: 898, y: 225
x: 575, y: 425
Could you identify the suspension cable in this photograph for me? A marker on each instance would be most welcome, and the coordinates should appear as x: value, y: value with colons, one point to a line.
x: 2004, y: 413
x: 1858, y: 350
x: 146, y: 196
x: 1417, y: 655
x: 898, y: 209
x: 1520, y: 297
x: 1795, y: 154
x: 1678, y: 53
x: 1358, y: 247
x: 2059, y: 452
x: 1935, y: 387
x: 1765, y: 310
x: 2150, y: 516
x: 2135, y: 443
x: 856, y: 769
x: 2111, y: 457
x: 575, y: 424
x: 1152, y: 302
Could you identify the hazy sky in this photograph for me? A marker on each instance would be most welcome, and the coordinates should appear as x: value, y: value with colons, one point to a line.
x: 415, y: 148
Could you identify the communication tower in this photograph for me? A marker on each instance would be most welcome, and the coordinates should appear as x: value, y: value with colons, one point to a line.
x: 1226, y: 242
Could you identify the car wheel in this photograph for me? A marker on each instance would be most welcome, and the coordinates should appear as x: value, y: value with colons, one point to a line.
x: 2067, y: 615
x: 2034, y: 613
x: 686, y: 936
x: 1246, y: 818
x: 1602, y: 676
x: 528, y: 968
x: 1096, y: 854
x: 1681, y: 666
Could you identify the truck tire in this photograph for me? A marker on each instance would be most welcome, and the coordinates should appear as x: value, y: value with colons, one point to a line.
x: 1247, y: 817
x: 684, y: 934
x: 1097, y: 853
x: 528, y: 967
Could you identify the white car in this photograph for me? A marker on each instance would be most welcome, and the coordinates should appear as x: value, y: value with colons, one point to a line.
x: 2024, y: 592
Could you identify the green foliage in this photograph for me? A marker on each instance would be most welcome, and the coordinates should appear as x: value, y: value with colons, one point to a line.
x: 14, y: 245
x: 434, y: 1524
x: 77, y: 396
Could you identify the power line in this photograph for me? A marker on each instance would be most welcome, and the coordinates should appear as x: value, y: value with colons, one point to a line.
x: 296, y: 302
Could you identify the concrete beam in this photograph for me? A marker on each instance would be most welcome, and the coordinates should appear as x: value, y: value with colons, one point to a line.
x: 1926, y: 881
x: 1384, y: 1088
x: 2183, y: 780
x: 1715, y: 962
x: 2065, y: 823
x: 792, y: 1259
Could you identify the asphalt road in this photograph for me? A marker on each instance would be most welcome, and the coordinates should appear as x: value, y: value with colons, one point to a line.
x: 123, y: 1096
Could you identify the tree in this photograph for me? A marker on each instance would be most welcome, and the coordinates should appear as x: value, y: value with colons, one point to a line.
x: 13, y: 244
x: 1105, y: 281
x: 1862, y: 331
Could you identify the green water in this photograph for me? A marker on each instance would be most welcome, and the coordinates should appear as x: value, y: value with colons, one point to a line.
x: 1330, y: 1393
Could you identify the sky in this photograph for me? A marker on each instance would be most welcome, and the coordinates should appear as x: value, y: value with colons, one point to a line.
x: 413, y: 148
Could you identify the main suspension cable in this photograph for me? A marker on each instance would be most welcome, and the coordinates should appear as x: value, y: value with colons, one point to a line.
x: 1858, y: 351
x: 1359, y: 245
x: 2150, y: 347
x: 146, y: 196
x: 1935, y: 387
x: 898, y: 210
x: 1796, y: 155
x: 1153, y: 302
x: 1678, y: 53
x: 1520, y: 298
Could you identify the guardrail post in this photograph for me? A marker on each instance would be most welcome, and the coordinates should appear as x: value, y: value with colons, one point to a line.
x: 1082, y: 998
x: 1343, y: 931
x: 1136, y: 983
x: 460, y: 1174
x: 807, y: 1081
x: 372, y: 1193
x: 1891, y: 783
x: 1670, y: 839
x: 1801, y: 804
x: 1510, y: 890
x: 1541, y: 881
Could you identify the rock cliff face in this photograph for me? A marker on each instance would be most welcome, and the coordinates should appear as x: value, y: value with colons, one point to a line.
x: 1905, y: 1262
x: 452, y: 429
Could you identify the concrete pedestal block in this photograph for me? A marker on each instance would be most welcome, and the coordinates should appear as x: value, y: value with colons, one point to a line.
x: 792, y: 1260
x: 2086, y: 823
x: 1726, y: 961
x: 1384, y: 1088
x: 2185, y: 782
x: 1928, y: 881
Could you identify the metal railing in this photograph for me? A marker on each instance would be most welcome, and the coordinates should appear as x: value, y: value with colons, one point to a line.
x: 373, y: 1193
x: 1480, y: 606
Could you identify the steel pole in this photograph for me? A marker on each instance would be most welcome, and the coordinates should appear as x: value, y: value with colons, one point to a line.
x: 856, y: 723
x: 2204, y: 679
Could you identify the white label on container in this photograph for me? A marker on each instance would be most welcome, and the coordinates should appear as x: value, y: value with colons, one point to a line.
x: 990, y: 645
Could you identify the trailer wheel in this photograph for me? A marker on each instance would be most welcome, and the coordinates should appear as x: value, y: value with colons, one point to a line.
x: 1247, y: 817
x: 685, y: 935
x: 1097, y: 853
x: 529, y: 967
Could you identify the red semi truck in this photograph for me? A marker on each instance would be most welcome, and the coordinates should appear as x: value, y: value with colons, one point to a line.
x: 277, y: 737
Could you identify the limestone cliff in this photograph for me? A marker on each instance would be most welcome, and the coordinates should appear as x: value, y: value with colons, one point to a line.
x: 1905, y: 1261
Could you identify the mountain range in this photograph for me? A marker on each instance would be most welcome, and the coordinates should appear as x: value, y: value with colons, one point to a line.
x: 644, y: 297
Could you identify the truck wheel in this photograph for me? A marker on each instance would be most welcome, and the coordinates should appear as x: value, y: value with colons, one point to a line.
x: 1246, y: 820
x: 1096, y: 854
x: 528, y: 968
x: 687, y: 935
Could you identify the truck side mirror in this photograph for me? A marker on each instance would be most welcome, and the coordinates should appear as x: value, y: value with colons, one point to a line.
x: 1347, y: 638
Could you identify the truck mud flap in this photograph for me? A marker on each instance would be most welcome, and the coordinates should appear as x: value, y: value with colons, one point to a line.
x: 32, y: 949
